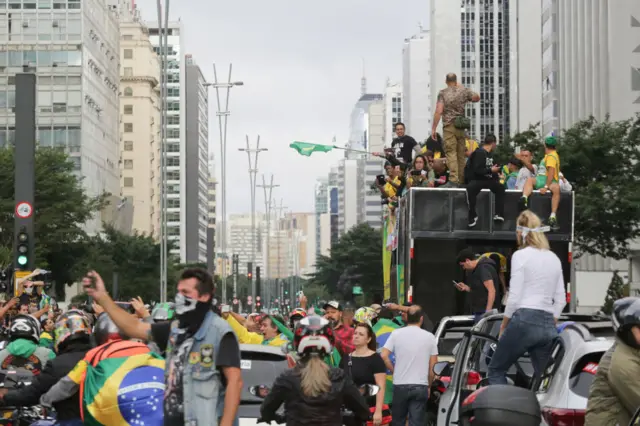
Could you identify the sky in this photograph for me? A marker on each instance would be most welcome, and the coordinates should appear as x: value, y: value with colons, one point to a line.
x: 301, y: 63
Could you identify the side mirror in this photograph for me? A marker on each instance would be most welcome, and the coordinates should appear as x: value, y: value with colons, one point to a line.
x: 441, y: 366
x: 260, y: 391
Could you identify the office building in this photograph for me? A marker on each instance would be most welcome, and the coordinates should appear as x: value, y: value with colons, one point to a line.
x: 359, y: 124
x: 321, y: 207
x: 239, y: 241
x: 376, y: 126
x: 392, y: 110
x: 176, y: 134
x: 140, y: 105
x: 417, y: 107
x: 211, y: 228
x: 334, y: 211
x: 474, y: 42
x: 293, y: 246
x: 196, y: 163
x: 358, y: 201
x: 75, y: 58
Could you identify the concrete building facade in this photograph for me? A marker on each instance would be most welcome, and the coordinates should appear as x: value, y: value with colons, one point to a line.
x: 417, y: 108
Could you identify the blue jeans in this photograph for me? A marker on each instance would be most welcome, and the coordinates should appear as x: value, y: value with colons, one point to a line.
x: 409, y: 401
x: 529, y: 330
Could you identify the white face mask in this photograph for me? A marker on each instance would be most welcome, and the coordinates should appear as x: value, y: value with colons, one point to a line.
x: 184, y: 304
x: 28, y: 290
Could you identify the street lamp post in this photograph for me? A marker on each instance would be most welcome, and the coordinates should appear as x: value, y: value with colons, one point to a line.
x: 163, y: 44
x: 268, y: 192
x: 253, y: 172
x: 223, y: 115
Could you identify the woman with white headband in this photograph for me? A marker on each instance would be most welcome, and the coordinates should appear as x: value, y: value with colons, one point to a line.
x: 536, y: 300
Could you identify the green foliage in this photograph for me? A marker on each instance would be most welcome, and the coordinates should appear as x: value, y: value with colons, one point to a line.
x: 61, y: 210
x: 136, y: 261
x: 602, y: 162
x: 615, y: 291
x: 359, y: 248
x: 315, y: 292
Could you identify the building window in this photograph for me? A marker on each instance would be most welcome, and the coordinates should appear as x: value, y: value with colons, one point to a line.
x: 128, y: 109
x: 128, y: 72
x: 128, y: 164
x: 128, y: 127
x: 128, y: 53
x: 128, y: 145
x: 128, y: 182
x: 128, y: 91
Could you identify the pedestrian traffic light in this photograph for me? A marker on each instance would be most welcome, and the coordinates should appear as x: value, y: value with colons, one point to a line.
x: 22, y: 249
x: 249, y: 271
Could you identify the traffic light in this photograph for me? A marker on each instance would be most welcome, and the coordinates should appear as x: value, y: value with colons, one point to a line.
x: 23, y: 254
x: 258, y: 301
x: 257, y: 281
x: 249, y: 271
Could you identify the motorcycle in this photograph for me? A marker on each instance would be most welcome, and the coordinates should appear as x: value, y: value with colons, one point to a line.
x: 348, y: 418
x: 21, y: 416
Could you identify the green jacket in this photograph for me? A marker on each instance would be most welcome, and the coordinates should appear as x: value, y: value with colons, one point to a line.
x: 614, y: 394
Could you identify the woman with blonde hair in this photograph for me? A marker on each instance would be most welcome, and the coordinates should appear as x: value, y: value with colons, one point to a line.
x: 536, y: 300
x: 312, y: 392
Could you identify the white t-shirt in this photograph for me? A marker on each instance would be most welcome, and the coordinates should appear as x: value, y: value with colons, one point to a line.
x: 523, y: 175
x: 413, y: 347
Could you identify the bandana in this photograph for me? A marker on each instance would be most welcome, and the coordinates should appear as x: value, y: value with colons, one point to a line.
x: 526, y: 230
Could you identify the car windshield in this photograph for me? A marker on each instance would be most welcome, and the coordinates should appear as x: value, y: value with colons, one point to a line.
x: 260, y: 368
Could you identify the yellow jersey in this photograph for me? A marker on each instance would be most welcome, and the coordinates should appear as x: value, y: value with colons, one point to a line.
x: 503, y: 260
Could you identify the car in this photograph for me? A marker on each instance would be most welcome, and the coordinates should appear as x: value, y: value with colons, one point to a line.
x: 260, y: 365
x: 449, y: 333
x: 563, y: 390
x: 580, y: 347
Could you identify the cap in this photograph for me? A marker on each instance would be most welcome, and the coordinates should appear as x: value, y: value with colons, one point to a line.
x: 333, y: 304
x: 550, y: 140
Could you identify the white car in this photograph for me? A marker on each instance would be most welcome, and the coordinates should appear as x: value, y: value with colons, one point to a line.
x: 261, y: 365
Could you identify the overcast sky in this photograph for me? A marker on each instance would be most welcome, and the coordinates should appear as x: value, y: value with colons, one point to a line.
x: 301, y: 62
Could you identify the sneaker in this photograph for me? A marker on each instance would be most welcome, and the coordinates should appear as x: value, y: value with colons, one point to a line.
x: 553, y: 223
x: 498, y: 218
x: 523, y: 203
x: 473, y: 222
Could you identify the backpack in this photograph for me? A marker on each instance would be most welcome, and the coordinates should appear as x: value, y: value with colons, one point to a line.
x: 123, y: 384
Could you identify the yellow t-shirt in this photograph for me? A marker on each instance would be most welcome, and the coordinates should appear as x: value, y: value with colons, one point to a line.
x: 552, y: 159
x: 503, y: 260
x: 471, y: 145
x: 436, y: 154
x: 390, y: 189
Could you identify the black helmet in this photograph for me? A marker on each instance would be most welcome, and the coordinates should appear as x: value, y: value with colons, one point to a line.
x: 71, y: 326
x: 24, y: 327
x: 313, y: 335
x: 105, y: 330
x: 626, y: 314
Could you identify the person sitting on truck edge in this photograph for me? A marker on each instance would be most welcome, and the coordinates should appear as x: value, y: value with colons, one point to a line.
x: 482, y: 276
x: 547, y: 179
x: 482, y: 174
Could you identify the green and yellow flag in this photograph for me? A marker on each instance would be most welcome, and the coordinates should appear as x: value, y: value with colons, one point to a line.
x: 306, y: 148
x: 122, y: 391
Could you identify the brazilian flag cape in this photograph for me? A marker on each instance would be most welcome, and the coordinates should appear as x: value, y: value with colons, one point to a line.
x: 383, y: 330
x: 121, y: 383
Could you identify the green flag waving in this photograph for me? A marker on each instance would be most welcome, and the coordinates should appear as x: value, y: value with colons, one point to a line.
x: 306, y: 148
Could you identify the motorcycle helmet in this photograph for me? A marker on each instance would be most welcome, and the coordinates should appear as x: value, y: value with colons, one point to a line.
x: 71, y: 326
x: 313, y: 336
x: 365, y: 315
x: 163, y: 312
x: 626, y: 315
x: 24, y: 327
x: 296, y: 315
x: 105, y: 330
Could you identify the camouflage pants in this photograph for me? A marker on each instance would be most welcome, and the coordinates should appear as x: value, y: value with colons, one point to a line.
x: 454, y: 148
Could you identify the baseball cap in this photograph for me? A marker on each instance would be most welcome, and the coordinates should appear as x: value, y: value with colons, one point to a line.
x: 551, y: 141
x: 333, y: 304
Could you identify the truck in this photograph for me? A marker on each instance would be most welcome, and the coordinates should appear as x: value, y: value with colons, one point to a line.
x: 432, y: 229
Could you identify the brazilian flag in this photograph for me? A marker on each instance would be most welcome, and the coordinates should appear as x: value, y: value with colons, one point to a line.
x: 122, y: 391
x: 383, y: 330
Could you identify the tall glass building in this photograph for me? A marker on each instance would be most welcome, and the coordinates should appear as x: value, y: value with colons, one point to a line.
x: 359, y: 123
x: 73, y: 48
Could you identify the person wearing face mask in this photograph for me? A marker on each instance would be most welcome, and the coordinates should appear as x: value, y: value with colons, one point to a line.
x: 29, y: 294
x: 202, y: 376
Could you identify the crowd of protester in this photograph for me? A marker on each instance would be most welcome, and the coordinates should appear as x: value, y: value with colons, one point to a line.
x: 457, y: 161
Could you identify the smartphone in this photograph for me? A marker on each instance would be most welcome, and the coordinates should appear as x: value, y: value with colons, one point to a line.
x: 455, y: 283
x: 380, y: 179
x: 225, y: 309
x: 126, y: 306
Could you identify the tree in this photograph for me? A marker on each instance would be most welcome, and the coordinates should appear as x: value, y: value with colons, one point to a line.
x: 602, y: 162
x: 358, y: 249
x: 62, y: 207
x: 136, y: 261
x: 615, y: 291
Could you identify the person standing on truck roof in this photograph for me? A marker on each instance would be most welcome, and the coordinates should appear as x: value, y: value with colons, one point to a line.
x: 450, y: 107
x: 547, y: 179
x: 482, y: 279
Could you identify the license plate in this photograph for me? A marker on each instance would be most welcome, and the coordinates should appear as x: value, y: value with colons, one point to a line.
x: 245, y: 364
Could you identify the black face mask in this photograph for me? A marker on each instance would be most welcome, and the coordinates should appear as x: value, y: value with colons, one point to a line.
x: 192, y: 313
